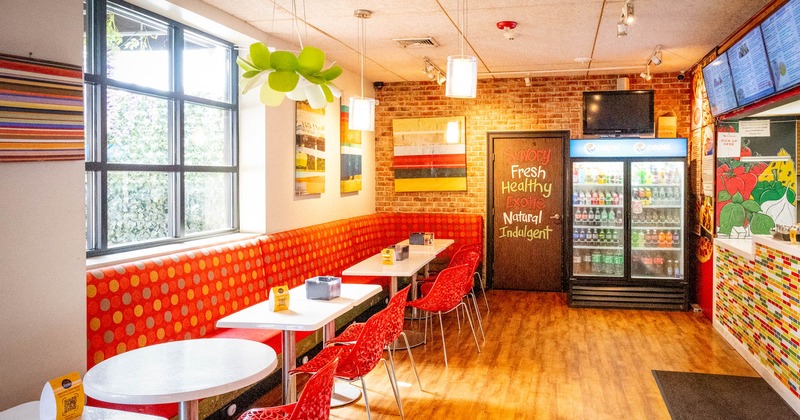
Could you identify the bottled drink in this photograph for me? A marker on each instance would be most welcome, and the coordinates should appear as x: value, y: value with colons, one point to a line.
x: 676, y: 238
x: 582, y: 235
x: 612, y: 217
x: 584, y: 216
x: 662, y: 239
x: 648, y: 195
x: 677, y: 270
x: 604, y: 217
x: 634, y: 239
x: 618, y: 264
x: 597, y: 260
x: 582, y: 198
x: 635, y: 193
x: 594, y: 236
x: 668, y: 195
x: 642, y: 194
x: 657, y: 195
x: 608, y: 262
x: 615, y: 237
x: 615, y: 198
x: 590, y: 219
x: 676, y: 195
x: 574, y: 199
x: 601, y: 236
x: 652, y: 238
x: 609, y: 198
x: 575, y: 235
x: 662, y: 217
x: 594, y: 197
x: 670, y: 268
x: 577, y: 259
x: 658, y: 266
x: 587, y: 262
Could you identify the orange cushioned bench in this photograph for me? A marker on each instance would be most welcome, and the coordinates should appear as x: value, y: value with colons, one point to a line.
x: 181, y: 296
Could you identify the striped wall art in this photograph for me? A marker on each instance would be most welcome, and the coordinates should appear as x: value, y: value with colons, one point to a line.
x: 41, y: 110
x: 429, y: 154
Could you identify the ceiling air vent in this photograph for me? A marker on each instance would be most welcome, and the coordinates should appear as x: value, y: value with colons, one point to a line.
x: 426, y: 42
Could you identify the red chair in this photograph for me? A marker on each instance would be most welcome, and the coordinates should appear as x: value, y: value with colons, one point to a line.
x: 471, y: 258
x: 395, y: 311
x: 446, y: 295
x: 359, y: 358
x: 314, y: 402
x: 479, y: 249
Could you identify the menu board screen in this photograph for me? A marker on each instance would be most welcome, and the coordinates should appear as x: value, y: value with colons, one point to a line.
x: 719, y: 85
x: 750, y: 69
x: 782, y: 37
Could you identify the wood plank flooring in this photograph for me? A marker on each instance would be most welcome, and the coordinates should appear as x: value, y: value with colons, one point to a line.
x: 543, y: 360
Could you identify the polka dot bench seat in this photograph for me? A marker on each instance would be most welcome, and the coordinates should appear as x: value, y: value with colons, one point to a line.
x: 181, y: 296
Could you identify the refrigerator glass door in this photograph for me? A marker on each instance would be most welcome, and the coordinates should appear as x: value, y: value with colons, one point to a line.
x: 598, y: 219
x: 657, y: 199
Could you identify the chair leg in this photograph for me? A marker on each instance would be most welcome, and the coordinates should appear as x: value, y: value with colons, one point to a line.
x: 411, y: 356
x: 395, y: 388
x: 366, y: 400
x: 483, y: 289
x: 391, y: 362
x: 469, y: 318
x: 478, y: 315
x: 444, y: 345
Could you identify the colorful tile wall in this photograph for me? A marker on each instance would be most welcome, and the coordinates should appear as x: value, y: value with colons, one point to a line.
x: 758, y: 302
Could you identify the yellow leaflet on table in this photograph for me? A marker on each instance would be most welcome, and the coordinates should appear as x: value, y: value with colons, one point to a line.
x: 387, y: 256
x: 279, y: 299
x: 69, y: 397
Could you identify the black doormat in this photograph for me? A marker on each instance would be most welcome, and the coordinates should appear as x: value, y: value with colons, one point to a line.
x: 709, y: 397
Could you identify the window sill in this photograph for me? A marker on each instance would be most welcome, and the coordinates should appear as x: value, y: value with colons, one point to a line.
x: 141, y: 254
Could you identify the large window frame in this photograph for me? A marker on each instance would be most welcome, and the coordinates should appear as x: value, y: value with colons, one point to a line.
x: 98, y: 167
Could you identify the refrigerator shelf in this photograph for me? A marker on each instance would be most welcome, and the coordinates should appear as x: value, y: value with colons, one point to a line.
x: 670, y: 184
x: 595, y: 184
x: 607, y: 247
x: 655, y: 248
x: 588, y: 226
x: 651, y: 227
x: 662, y: 206
x: 656, y: 277
x: 608, y: 206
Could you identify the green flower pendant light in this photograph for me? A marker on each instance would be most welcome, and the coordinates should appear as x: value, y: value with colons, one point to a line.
x: 281, y: 73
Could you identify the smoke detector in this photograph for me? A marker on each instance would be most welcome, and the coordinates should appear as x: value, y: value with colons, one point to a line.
x: 507, y: 26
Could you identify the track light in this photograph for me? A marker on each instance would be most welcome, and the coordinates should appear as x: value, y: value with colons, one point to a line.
x: 646, y: 74
x: 527, y: 81
x: 622, y: 29
x: 627, y: 12
x: 433, y: 72
x: 656, y: 57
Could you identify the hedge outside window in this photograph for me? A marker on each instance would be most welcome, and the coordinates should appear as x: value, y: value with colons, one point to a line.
x: 161, y: 107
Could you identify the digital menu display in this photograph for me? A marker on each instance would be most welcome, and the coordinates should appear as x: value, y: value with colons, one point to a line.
x: 782, y: 38
x: 719, y: 85
x: 750, y: 69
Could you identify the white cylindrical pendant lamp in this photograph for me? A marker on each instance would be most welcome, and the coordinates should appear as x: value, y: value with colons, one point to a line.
x: 362, y: 114
x: 462, y: 76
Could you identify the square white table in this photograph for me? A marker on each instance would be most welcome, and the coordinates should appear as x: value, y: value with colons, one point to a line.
x: 303, y: 315
x: 30, y: 411
x: 180, y: 371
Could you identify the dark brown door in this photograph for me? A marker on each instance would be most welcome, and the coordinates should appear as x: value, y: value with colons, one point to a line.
x: 527, y: 202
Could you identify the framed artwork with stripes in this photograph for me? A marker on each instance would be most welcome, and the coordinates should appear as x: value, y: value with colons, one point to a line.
x: 430, y: 154
x: 41, y: 110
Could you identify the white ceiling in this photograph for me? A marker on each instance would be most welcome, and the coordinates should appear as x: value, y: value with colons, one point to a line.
x: 550, y: 34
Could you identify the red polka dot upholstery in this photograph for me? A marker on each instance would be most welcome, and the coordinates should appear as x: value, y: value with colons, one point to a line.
x: 181, y: 296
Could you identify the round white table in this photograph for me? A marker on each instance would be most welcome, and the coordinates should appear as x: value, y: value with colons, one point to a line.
x: 180, y: 371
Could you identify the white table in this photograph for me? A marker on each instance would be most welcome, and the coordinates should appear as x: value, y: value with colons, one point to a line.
x: 180, y: 371
x: 303, y: 315
x: 30, y: 411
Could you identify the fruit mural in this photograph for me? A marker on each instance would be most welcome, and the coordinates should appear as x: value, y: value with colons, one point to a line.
x: 753, y: 197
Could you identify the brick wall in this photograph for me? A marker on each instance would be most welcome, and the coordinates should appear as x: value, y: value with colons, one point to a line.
x: 550, y: 103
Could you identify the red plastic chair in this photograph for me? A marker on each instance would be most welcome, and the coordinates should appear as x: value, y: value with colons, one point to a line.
x: 359, y: 358
x: 395, y: 311
x: 479, y: 249
x: 446, y: 295
x: 314, y: 402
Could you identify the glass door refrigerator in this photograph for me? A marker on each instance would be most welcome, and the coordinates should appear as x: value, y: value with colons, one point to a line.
x: 628, y: 223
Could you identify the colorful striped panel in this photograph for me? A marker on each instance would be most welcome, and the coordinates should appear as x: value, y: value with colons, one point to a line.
x: 429, y: 161
x: 41, y: 110
x: 429, y: 155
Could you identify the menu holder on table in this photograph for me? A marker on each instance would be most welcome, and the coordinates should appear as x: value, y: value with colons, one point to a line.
x: 387, y: 256
x: 323, y: 287
x: 279, y: 299
x: 421, y: 238
x: 62, y: 398
x: 400, y: 252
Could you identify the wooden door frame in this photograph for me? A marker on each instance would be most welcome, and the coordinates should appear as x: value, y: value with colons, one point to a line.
x: 490, y: 137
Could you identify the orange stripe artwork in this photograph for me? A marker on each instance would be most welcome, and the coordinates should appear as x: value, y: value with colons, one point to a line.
x: 41, y: 110
x: 429, y: 154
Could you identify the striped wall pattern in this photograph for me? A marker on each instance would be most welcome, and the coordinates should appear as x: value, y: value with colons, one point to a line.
x: 424, y: 159
x: 758, y: 302
x: 41, y: 110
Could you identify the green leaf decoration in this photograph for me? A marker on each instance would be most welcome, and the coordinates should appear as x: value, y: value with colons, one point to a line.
x: 737, y: 198
x: 246, y: 65
x: 254, y: 81
x: 731, y: 215
x: 270, y: 97
x: 315, y: 79
x: 752, y: 206
x: 327, y: 91
x: 331, y: 73
x: 761, y: 224
x: 283, y: 81
x: 283, y: 61
x: 260, y: 55
x: 315, y: 96
x: 251, y: 73
x: 310, y: 60
x: 723, y: 196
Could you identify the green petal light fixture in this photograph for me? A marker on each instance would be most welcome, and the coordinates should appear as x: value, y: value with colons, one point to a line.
x: 282, y: 74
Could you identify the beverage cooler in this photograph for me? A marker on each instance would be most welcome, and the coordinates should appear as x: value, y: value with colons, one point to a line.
x: 628, y: 223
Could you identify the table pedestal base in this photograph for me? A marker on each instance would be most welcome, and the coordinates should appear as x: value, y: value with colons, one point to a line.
x: 344, y: 394
x: 188, y: 410
x: 415, y: 338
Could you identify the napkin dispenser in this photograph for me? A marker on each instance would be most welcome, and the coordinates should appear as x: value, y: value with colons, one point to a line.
x: 323, y: 287
x: 421, y: 238
x: 400, y: 252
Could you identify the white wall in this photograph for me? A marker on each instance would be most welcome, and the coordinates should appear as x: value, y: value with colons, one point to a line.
x: 42, y: 246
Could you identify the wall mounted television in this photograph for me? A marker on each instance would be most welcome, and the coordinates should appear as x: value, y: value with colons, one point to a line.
x: 618, y: 112
x: 719, y: 85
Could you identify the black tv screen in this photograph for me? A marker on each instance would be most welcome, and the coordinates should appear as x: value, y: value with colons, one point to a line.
x: 618, y: 112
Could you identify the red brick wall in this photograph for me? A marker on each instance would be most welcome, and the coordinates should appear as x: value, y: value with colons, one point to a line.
x: 550, y: 103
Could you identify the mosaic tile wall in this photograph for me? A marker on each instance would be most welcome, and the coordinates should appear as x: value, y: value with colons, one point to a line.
x: 758, y: 302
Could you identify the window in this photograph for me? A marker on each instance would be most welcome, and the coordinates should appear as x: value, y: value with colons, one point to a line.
x: 161, y: 158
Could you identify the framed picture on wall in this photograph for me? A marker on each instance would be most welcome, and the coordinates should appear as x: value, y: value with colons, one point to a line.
x: 430, y: 154
x: 309, y: 156
x: 351, y: 152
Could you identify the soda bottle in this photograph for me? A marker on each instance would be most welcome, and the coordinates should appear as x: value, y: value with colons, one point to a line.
x: 597, y: 259
x: 657, y: 195
x: 584, y: 216
x: 590, y: 216
x: 676, y: 239
x: 658, y: 262
x: 587, y: 262
x: 594, y: 236
x: 594, y: 197
x: 575, y: 235
x: 612, y: 217
x: 601, y: 236
x: 642, y: 239
x: 577, y: 259
x: 668, y: 195
x: 635, y: 193
x: 608, y: 262
x: 670, y: 269
x: 582, y: 235
x: 648, y: 196
x: 618, y: 262
x: 609, y: 198
x: 662, y: 239
x: 615, y: 198
x: 615, y: 237
x: 677, y: 270
x: 662, y: 217
x: 603, y: 217
x: 581, y: 198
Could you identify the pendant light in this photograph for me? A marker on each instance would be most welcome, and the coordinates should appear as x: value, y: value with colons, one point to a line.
x: 462, y: 70
x: 362, y: 109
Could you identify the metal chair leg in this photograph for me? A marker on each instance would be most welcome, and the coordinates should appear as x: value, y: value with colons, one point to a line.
x: 366, y: 400
x: 410, y: 356
x: 395, y: 388
x: 483, y: 289
x: 444, y: 345
x: 478, y: 315
x: 469, y: 318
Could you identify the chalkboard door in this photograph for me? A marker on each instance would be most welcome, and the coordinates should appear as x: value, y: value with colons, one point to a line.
x: 526, y: 217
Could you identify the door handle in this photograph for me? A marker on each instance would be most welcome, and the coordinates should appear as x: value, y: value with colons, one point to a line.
x: 556, y: 216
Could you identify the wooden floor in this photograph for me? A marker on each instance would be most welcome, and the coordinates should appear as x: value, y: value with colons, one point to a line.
x: 543, y: 360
